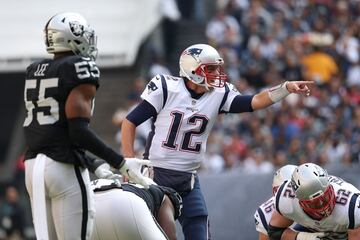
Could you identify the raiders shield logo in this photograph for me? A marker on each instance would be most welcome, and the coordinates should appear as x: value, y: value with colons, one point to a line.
x: 76, y: 28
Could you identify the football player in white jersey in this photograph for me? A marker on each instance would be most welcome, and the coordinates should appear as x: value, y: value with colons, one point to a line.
x: 263, y: 213
x: 184, y: 110
x: 325, y: 207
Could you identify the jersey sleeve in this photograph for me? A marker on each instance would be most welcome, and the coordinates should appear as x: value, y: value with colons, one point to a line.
x: 283, y: 199
x: 354, y: 211
x: 79, y: 70
x: 232, y: 93
x: 260, y: 221
x: 155, y: 92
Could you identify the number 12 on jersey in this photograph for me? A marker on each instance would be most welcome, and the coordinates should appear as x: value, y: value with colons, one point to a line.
x: 175, y: 129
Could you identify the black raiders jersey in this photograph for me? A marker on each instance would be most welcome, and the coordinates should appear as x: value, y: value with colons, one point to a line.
x: 47, y: 86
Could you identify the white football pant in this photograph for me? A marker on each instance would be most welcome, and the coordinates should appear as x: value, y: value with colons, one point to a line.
x: 122, y: 215
x: 61, y: 199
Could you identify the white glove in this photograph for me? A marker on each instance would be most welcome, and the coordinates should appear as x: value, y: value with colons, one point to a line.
x: 310, y: 236
x: 132, y: 170
x: 103, y: 171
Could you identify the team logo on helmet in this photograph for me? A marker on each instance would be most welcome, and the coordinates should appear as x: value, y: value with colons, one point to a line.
x: 76, y: 28
x: 195, y: 52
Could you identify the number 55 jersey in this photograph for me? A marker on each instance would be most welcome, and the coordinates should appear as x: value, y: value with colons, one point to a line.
x: 47, y: 86
x: 346, y: 214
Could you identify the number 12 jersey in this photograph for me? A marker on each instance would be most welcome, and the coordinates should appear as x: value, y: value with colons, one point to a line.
x: 183, y: 123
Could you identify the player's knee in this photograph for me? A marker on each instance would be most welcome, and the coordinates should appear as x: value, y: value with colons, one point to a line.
x: 196, y: 228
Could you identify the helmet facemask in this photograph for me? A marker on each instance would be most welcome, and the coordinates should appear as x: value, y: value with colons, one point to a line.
x: 320, y: 206
x: 87, y: 47
x: 214, y: 75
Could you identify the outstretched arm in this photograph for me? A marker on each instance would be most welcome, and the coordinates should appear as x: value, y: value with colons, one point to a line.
x: 78, y: 111
x: 277, y: 93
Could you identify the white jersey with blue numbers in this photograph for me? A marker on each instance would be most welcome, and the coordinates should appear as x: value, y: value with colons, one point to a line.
x: 346, y: 214
x: 263, y: 215
x: 183, y: 123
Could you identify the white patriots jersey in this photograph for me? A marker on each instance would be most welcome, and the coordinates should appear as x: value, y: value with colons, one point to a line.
x: 346, y: 214
x: 263, y: 215
x: 183, y: 123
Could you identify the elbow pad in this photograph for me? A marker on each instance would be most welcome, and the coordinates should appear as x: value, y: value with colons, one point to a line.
x: 275, y: 233
x: 82, y: 136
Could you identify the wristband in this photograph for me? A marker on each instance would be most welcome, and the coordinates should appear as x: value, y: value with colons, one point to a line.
x: 278, y: 92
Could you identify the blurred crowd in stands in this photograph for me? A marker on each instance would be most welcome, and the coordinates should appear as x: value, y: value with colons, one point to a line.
x: 265, y: 43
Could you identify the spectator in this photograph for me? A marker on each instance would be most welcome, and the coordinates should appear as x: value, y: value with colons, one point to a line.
x: 319, y: 66
x: 12, y: 215
x: 223, y: 29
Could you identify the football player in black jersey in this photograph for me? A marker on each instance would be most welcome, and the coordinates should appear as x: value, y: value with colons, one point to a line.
x: 130, y: 212
x: 59, y: 95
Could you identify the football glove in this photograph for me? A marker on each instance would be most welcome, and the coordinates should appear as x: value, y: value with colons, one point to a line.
x: 131, y: 169
x: 310, y: 236
x: 103, y: 171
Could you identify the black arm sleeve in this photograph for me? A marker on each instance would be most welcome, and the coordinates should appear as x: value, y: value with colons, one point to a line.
x: 93, y: 163
x: 275, y: 233
x: 141, y: 113
x: 241, y: 103
x: 82, y: 136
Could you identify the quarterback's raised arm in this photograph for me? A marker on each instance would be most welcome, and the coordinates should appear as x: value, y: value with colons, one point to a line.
x: 279, y: 92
